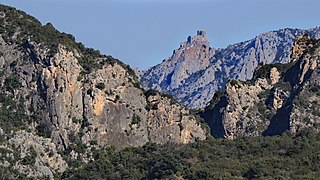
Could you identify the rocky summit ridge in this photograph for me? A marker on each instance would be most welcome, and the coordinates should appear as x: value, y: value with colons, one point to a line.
x: 196, y: 71
x: 192, y: 55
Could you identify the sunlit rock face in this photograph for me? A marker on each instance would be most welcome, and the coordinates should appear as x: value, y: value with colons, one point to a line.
x: 279, y: 98
x: 61, y: 102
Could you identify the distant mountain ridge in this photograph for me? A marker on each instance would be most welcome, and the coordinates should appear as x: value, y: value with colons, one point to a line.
x: 196, y: 71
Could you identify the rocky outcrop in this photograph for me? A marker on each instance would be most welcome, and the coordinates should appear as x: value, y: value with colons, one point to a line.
x: 42, y: 154
x: 300, y: 46
x: 123, y: 115
x: 192, y: 56
x: 280, y: 97
x: 194, y: 85
x: 58, y: 97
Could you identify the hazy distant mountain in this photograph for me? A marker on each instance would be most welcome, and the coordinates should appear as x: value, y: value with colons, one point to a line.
x: 195, y: 71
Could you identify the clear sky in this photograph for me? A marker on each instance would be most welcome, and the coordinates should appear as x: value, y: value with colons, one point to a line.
x: 142, y: 33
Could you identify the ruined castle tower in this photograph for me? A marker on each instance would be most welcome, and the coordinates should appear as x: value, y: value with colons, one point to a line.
x: 199, y: 39
x: 201, y: 33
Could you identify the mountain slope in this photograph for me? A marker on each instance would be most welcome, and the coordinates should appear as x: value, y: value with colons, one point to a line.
x: 195, y: 71
x: 60, y: 101
x: 279, y: 98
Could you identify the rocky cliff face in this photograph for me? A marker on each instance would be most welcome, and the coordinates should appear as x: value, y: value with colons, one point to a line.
x: 192, y: 56
x: 280, y: 97
x: 194, y: 73
x: 58, y: 97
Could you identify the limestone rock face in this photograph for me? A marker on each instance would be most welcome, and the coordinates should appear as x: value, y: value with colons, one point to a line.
x: 67, y: 89
x: 280, y: 97
x: 194, y: 84
x: 240, y: 115
x: 274, y: 75
x: 120, y: 114
x: 46, y: 155
x: 58, y: 97
x: 174, y: 73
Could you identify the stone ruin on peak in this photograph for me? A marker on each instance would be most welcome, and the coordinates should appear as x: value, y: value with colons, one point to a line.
x: 199, y: 39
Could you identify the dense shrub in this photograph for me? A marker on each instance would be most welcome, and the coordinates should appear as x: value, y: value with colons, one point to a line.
x: 44, y: 130
x: 135, y: 119
x: 275, y: 157
x: 100, y: 86
x: 30, y: 159
x: 264, y: 71
x: 11, y: 83
x: 12, y: 114
x: 215, y: 99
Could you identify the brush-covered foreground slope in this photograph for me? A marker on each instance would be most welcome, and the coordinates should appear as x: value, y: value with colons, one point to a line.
x: 280, y: 97
x: 59, y: 101
x: 195, y: 71
x: 277, y: 157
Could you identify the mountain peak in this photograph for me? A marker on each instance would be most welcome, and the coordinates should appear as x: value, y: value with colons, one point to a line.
x: 199, y: 39
x: 210, y: 71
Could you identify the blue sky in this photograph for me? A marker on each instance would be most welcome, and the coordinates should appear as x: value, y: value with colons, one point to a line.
x: 142, y: 33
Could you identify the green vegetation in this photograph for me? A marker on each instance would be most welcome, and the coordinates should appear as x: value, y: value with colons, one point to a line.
x: 233, y: 82
x: 11, y: 83
x: 76, y: 144
x: 263, y: 95
x: 302, y: 101
x: 278, y: 157
x: 29, y: 27
x: 285, y: 86
x: 150, y: 106
x: 85, y: 122
x: 135, y: 119
x: 30, y: 159
x: 170, y: 97
x: 264, y: 71
x: 151, y: 92
x: 215, y: 99
x: 314, y: 42
x: 76, y: 120
x: 12, y: 114
x: 10, y: 173
x: 109, y: 92
x: 261, y: 107
x: 47, y: 36
x: 315, y: 89
x: 100, y: 86
x: 44, y: 130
